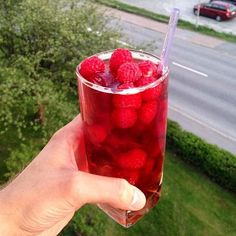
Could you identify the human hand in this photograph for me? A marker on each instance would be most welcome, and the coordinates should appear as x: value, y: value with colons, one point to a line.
x: 44, y: 197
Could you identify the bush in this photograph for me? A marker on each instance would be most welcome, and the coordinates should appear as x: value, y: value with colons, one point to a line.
x: 89, y: 222
x: 41, y: 42
x: 52, y: 36
x: 38, y: 105
x: 217, y: 163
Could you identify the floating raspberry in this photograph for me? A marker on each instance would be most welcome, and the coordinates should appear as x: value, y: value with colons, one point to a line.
x: 148, y: 68
x: 97, y: 133
x: 152, y: 93
x: 147, y: 112
x: 127, y: 101
x: 126, y: 86
x: 159, y: 70
x: 128, y: 72
x: 134, y: 159
x: 91, y: 66
x: 119, y: 57
x: 124, y: 117
x: 144, y: 81
x: 149, y: 167
x: 156, y: 151
x: 132, y: 176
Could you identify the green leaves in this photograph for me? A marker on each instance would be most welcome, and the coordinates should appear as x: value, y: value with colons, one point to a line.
x: 53, y: 36
x: 41, y: 42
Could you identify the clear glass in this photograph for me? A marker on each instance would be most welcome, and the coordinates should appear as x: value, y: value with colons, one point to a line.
x: 106, y: 144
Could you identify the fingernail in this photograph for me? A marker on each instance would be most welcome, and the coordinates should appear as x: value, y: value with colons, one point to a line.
x: 138, y: 200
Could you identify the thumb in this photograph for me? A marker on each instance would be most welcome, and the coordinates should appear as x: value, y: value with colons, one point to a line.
x: 89, y: 188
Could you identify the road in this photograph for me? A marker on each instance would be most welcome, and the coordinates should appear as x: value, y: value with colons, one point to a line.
x: 202, y: 91
x: 164, y: 7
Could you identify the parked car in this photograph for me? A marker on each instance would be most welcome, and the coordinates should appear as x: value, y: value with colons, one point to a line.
x: 229, y: 1
x: 218, y: 10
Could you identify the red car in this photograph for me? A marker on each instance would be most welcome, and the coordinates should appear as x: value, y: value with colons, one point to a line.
x: 216, y: 9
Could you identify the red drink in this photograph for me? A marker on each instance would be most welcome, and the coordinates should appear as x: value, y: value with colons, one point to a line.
x: 125, y: 129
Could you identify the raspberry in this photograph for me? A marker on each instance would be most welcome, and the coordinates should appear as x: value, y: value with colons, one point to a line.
x: 132, y: 176
x: 126, y: 86
x: 119, y: 142
x: 144, y: 81
x: 149, y: 167
x: 90, y: 66
x: 128, y: 72
x: 159, y: 70
x: 152, y: 93
x: 127, y: 101
x: 133, y: 159
x: 156, y: 150
x: 160, y: 126
x: 147, y: 112
x: 119, y: 57
x: 148, y: 68
x: 124, y: 117
x: 97, y: 133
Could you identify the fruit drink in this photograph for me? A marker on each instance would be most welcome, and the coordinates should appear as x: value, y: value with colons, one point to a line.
x: 123, y: 100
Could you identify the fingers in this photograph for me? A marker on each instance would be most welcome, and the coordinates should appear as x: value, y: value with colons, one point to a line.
x: 88, y: 188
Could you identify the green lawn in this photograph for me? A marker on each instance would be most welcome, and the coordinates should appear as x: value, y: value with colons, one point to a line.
x: 190, y: 205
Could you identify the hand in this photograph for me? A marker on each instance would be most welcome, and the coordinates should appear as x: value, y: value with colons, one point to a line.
x: 44, y: 197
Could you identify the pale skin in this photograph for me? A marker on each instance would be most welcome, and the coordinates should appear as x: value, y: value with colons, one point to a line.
x: 43, y: 198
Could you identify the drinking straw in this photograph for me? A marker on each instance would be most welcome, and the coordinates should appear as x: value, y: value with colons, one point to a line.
x: 169, y: 38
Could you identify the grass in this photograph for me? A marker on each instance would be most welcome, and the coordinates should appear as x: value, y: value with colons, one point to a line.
x: 190, y: 205
x: 161, y: 18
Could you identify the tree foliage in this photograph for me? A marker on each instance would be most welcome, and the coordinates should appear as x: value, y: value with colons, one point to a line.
x: 41, y: 42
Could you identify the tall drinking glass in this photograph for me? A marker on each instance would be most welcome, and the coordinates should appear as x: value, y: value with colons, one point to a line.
x: 134, y: 152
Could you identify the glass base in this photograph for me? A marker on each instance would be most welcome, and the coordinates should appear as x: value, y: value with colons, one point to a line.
x: 129, y: 218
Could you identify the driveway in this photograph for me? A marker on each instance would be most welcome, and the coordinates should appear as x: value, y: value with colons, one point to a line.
x: 186, y: 7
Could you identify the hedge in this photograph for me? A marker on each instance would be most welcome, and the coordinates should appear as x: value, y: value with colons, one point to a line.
x: 218, y: 164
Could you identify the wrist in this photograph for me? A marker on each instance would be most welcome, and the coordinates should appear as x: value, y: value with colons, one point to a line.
x: 8, y: 225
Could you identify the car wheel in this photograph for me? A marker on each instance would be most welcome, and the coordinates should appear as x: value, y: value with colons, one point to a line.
x: 218, y: 18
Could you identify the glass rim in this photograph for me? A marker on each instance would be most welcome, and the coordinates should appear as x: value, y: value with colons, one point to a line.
x: 126, y: 90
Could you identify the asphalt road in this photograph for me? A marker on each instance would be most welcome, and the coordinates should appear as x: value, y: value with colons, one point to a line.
x: 186, y: 12
x: 202, y: 89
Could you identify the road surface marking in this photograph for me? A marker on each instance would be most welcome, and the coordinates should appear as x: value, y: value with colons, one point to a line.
x: 123, y: 43
x: 190, y: 69
x: 202, y: 123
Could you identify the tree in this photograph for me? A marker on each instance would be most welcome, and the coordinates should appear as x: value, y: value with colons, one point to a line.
x: 41, y: 42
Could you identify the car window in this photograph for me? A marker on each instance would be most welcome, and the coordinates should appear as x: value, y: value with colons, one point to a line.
x: 218, y: 7
x: 207, y: 5
x: 232, y: 8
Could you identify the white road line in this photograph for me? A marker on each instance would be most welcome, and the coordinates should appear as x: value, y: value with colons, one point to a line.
x: 123, y: 43
x: 202, y: 123
x: 190, y: 69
